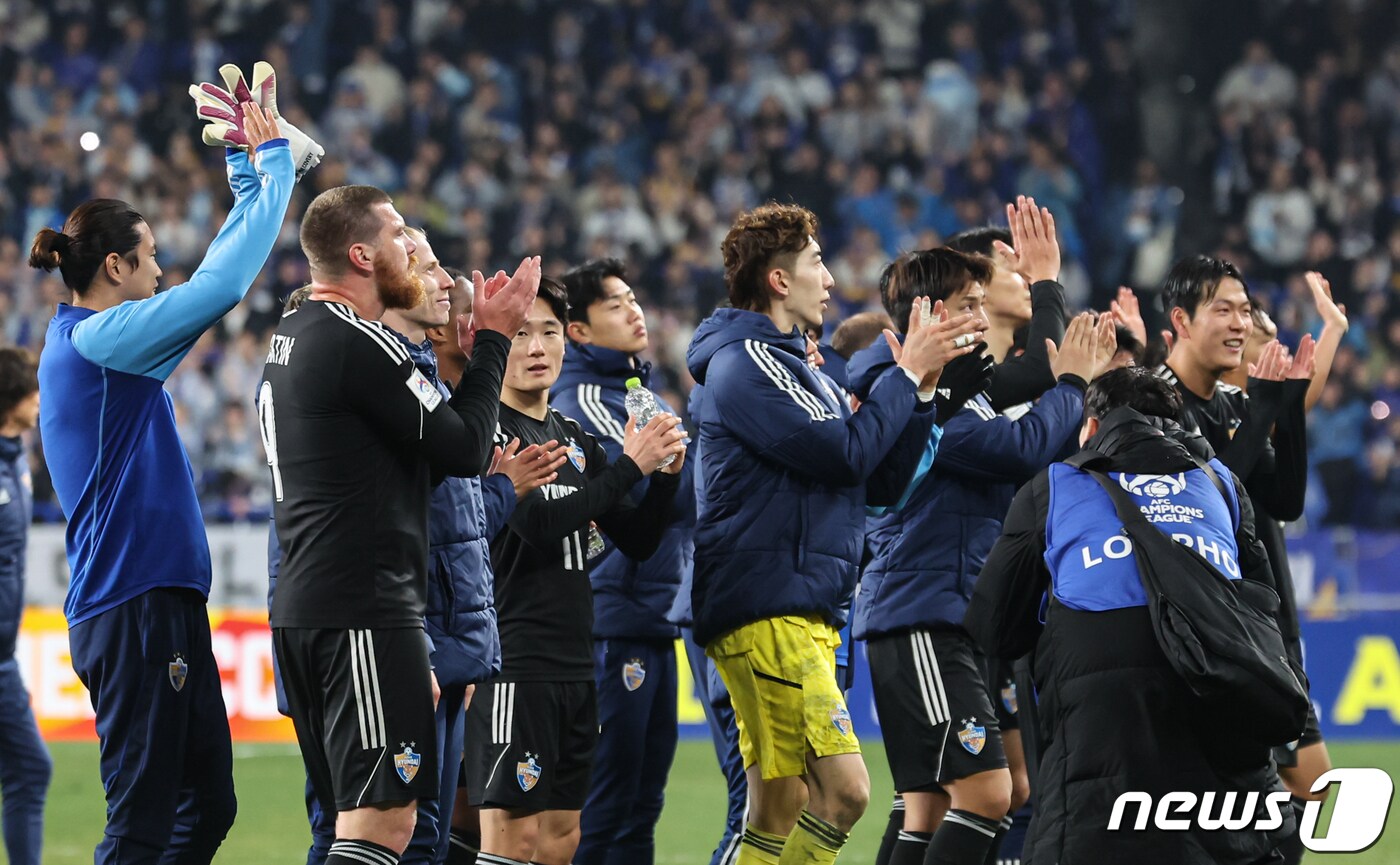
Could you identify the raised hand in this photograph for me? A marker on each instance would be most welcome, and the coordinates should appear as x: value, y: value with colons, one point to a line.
x: 652, y: 444
x: 1333, y: 314
x: 1105, y: 343
x: 1129, y: 313
x: 503, y: 307
x: 1304, y: 364
x: 1272, y: 362
x: 929, y: 347
x: 1078, y: 354
x: 259, y: 125
x: 531, y: 468
x: 1036, y: 249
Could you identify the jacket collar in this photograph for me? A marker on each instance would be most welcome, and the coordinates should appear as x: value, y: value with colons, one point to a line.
x: 422, y: 353
x: 10, y: 448
x: 594, y: 361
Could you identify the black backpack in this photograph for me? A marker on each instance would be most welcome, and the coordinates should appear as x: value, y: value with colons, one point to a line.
x: 1220, y: 635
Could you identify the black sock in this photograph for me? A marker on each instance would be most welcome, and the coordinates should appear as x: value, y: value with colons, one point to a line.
x: 1292, y: 847
x: 995, y: 850
x: 892, y: 830
x: 962, y: 839
x: 496, y: 859
x: 348, y: 851
x: 910, y: 848
x: 463, y: 847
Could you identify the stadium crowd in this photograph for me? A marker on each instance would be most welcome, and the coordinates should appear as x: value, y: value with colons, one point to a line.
x: 639, y: 129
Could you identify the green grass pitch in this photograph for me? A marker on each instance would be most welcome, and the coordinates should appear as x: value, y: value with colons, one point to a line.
x: 271, y: 825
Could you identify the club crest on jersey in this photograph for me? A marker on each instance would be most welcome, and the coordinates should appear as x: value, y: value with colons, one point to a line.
x: 527, y: 774
x: 178, y: 671
x: 841, y: 719
x: 406, y: 762
x: 1156, y: 486
x: 972, y: 737
x: 1008, y: 697
x: 576, y: 455
x: 633, y: 674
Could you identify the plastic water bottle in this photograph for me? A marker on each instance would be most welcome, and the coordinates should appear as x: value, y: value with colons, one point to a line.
x: 641, y: 404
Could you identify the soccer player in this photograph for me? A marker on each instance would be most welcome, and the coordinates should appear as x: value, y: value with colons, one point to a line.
x: 635, y: 638
x: 355, y: 433
x: 137, y: 552
x: 788, y: 469
x: 1118, y: 716
x: 25, y: 765
x: 531, y: 735
x: 941, y: 731
x: 1261, y: 437
x: 463, y: 516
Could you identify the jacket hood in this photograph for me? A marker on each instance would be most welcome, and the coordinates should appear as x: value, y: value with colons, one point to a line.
x: 727, y: 326
x: 1137, y: 442
x: 868, y: 364
x: 588, y: 363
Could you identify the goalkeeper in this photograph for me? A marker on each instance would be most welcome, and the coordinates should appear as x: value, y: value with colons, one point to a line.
x: 139, y: 559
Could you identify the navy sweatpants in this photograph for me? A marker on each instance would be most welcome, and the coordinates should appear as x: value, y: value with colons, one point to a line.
x: 724, y: 733
x: 432, y: 833
x: 167, y: 757
x: 636, y: 745
x: 25, y: 769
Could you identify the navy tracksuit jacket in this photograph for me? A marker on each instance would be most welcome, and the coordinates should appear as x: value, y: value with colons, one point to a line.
x: 635, y: 637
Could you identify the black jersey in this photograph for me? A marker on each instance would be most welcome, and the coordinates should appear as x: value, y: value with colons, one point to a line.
x: 353, y: 433
x: 544, y: 601
x: 1262, y: 438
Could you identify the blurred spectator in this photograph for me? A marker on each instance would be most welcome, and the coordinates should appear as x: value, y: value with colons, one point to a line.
x: 640, y: 128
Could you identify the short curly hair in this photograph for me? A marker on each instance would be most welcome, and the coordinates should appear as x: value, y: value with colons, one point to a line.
x: 764, y: 238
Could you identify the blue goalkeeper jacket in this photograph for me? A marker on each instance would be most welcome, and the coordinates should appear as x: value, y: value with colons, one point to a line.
x: 630, y: 598
x: 121, y: 474
x: 787, y: 469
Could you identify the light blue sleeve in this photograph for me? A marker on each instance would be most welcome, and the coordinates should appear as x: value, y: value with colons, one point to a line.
x: 150, y: 337
x: 242, y: 177
x: 925, y: 465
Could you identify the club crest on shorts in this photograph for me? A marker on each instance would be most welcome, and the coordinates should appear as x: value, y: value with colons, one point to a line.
x: 841, y: 719
x: 406, y: 762
x: 634, y: 673
x: 527, y: 774
x: 576, y: 455
x: 178, y: 671
x: 1008, y: 697
x: 973, y: 737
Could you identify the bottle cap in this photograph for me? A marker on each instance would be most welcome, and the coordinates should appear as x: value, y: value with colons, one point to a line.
x: 633, y: 383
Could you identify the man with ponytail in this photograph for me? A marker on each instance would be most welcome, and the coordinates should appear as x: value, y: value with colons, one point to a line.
x: 137, y: 551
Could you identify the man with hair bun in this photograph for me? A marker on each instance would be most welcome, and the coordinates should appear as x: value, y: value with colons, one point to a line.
x: 137, y: 551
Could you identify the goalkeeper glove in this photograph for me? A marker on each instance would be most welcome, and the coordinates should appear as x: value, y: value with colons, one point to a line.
x: 224, y: 126
x: 306, y: 153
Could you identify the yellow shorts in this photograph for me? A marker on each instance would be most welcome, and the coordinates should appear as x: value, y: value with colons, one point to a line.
x: 781, y: 675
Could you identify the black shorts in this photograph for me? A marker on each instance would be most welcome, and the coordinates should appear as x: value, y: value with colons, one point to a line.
x: 935, y: 715
x: 1287, y: 755
x: 362, y: 705
x: 530, y: 745
x: 1001, y: 687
